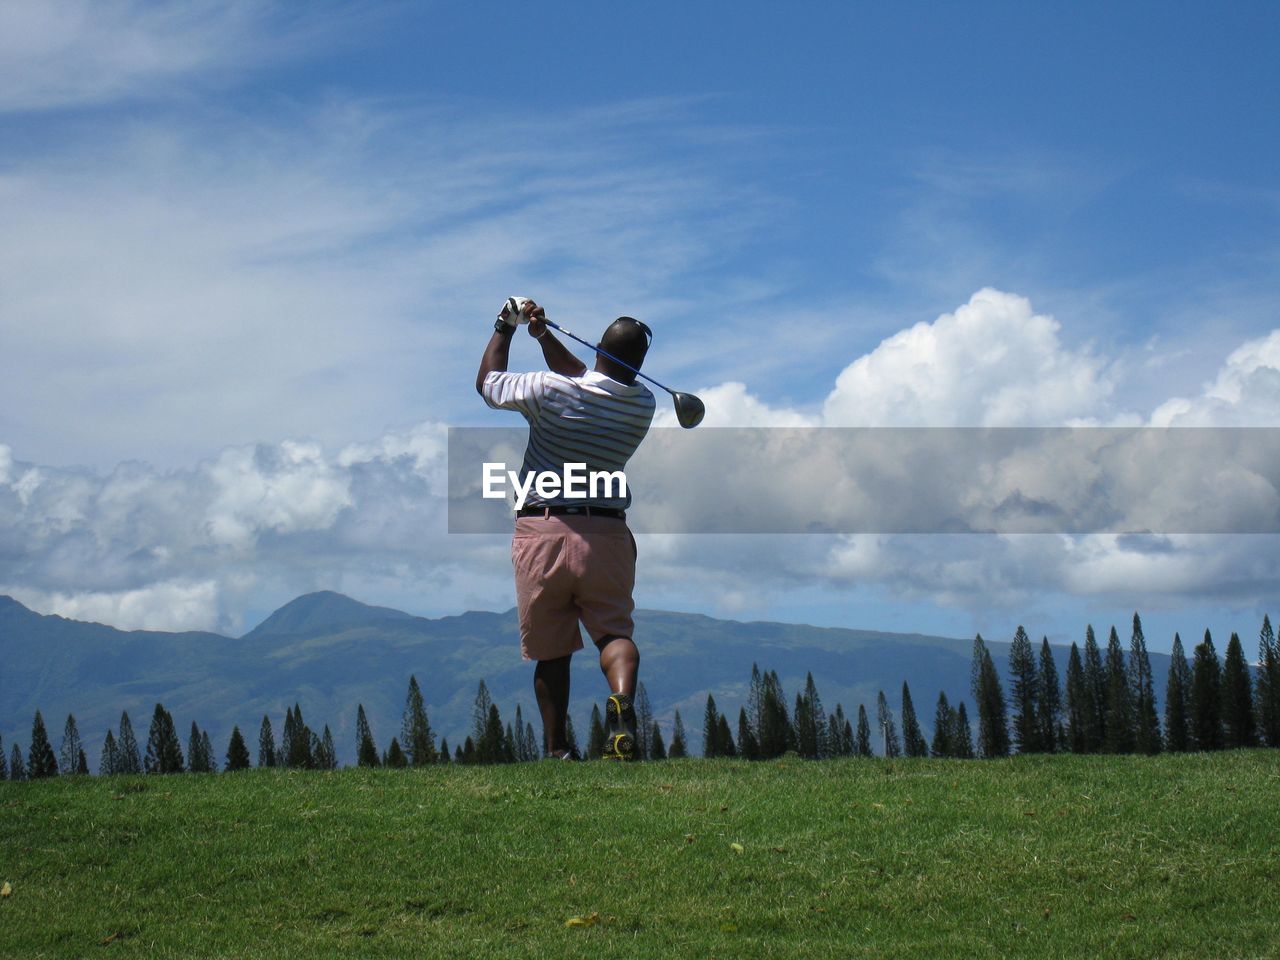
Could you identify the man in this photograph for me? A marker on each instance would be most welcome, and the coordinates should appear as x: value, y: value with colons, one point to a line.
x: 575, y: 559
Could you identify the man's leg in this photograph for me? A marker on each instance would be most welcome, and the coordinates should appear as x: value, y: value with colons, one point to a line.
x: 551, y: 687
x: 619, y: 662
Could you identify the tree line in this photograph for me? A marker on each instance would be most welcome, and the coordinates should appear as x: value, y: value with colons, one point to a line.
x: 1106, y: 704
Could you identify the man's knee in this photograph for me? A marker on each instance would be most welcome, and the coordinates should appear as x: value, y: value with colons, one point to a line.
x: 605, y: 641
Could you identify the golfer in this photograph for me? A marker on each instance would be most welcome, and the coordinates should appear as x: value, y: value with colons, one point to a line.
x: 575, y: 559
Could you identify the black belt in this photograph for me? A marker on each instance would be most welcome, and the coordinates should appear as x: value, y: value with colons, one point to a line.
x: 577, y: 509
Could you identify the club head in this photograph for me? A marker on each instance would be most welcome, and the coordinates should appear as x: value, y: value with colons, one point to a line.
x: 689, y: 409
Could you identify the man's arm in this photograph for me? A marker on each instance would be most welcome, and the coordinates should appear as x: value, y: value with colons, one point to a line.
x: 559, y: 359
x: 496, y: 356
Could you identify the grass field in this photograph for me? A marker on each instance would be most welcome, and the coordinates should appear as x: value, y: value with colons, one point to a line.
x: 1175, y: 856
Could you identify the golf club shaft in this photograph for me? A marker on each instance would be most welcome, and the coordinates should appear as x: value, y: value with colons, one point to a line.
x: 605, y: 353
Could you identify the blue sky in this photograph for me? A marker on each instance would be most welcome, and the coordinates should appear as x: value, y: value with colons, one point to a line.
x: 252, y: 249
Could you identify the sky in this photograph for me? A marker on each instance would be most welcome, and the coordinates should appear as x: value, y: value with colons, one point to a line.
x: 252, y: 253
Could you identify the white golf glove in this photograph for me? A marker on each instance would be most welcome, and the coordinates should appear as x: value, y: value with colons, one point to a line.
x: 515, y: 311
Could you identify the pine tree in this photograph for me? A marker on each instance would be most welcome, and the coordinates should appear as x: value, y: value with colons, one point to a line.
x: 524, y: 750
x: 300, y: 753
x: 444, y: 750
x: 657, y: 748
x: 571, y: 738
x: 395, y: 756
x: 196, y: 761
x: 644, y: 721
x: 811, y: 722
x: 128, y: 760
x: 1177, y: 701
x: 328, y: 750
x: 1239, y: 729
x: 962, y: 737
x: 943, y: 724
x: 207, y: 748
x: 366, y: 747
x: 1268, y: 685
x: 679, y: 744
x: 1049, y: 713
x: 288, y: 735
x: 458, y: 756
x: 724, y: 738
x: 1120, y: 736
x: 913, y: 741
x: 1206, y: 697
x: 164, y: 753
x: 40, y: 759
x: 480, y: 713
x: 508, y: 752
x: 862, y: 740
x: 266, y: 744
x: 595, y: 734
x: 1077, y: 704
x: 237, y: 751
x: 802, y: 729
x: 4, y: 760
x: 531, y: 749
x: 993, y: 725
x: 468, y: 751
x: 755, y: 707
x: 888, y: 730
x: 418, y: 742
x: 1025, y: 691
x: 107, y: 762
x: 1146, y: 723
x: 776, y: 735
x: 489, y: 747
x: 840, y: 735
x: 748, y: 749
x: 710, y: 721
x: 1095, y: 693
x: 17, y: 769
x: 69, y: 755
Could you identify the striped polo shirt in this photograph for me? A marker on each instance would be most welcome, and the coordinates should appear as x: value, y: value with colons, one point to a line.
x: 591, y: 419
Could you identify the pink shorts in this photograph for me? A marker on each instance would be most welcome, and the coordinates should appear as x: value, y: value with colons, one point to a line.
x: 572, y: 568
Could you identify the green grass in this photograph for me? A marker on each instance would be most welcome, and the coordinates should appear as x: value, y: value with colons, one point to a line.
x: 1035, y: 857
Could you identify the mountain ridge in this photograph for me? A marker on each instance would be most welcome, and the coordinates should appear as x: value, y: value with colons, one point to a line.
x: 366, y: 655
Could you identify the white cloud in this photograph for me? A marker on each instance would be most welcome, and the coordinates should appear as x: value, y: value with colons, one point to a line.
x: 320, y: 273
x: 994, y: 362
x: 1245, y: 393
x: 160, y: 606
x: 192, y: 547
x: 61, y: 53
x: 287, y: 489
x: 731, y: 405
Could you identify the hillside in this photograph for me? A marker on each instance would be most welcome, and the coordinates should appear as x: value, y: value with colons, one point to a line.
x: 328, y: 653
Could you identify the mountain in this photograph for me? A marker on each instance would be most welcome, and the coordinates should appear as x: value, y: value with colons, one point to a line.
x: 327, y: 653
x: 325, y: 611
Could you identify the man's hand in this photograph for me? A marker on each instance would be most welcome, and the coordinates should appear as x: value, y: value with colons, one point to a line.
x: 518, y: 310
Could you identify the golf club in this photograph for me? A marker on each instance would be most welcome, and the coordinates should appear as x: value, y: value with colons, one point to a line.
x: 689, y: 409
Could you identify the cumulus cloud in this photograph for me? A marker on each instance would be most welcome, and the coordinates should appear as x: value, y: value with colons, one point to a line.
x: 731, y: 405
x: 1245, y: 392
x: 192, y: 547
x: 994, y: 362
x: 285, y: 489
